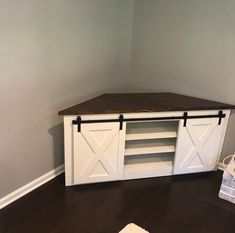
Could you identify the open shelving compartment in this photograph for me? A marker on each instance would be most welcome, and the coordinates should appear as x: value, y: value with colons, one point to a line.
x: 149, y: 148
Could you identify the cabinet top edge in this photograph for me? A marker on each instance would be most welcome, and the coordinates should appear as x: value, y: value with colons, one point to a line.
x: 143, y: 102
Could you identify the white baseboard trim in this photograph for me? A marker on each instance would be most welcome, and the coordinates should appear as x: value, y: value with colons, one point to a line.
x: 221, y: 167
x: 30, y: 186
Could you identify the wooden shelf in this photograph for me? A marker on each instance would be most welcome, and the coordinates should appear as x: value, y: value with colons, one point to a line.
x: 149, y: 147
x: 151, y: 130
x: 141, y: 166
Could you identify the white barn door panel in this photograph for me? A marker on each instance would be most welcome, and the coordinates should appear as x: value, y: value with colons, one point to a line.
x: 198, y: 145
x: 98, y: 154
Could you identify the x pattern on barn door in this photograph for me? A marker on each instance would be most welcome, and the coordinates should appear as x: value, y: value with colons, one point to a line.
x: 97, y: 152
x: 196, y: 146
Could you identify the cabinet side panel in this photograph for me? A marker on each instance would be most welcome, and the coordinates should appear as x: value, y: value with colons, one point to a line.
x: 223, y: 133
x: 68, y: 152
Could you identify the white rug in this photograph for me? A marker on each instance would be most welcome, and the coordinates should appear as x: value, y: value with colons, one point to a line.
x: 132, y: 228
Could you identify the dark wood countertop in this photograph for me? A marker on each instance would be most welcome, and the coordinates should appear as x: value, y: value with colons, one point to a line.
x: 142, y: 102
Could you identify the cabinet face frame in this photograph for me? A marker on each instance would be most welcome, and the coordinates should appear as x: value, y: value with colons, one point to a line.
x: 68, y: 133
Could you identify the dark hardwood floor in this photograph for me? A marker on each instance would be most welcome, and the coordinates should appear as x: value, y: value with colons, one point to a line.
x: 179, y: 204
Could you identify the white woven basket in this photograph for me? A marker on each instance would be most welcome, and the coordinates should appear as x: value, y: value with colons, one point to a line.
x: 227, y: 189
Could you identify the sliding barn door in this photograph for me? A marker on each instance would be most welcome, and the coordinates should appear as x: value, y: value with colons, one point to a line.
x: 197, y: 146
x: 98, y: 153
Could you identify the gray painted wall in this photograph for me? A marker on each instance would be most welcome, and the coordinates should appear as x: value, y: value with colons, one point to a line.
x: 186, y: 46
x: 53, y: 54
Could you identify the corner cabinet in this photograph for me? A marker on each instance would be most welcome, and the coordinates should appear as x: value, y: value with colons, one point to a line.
x: 109, y: 147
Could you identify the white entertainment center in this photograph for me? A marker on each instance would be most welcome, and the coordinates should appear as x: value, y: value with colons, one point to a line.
x: 148, y: 142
